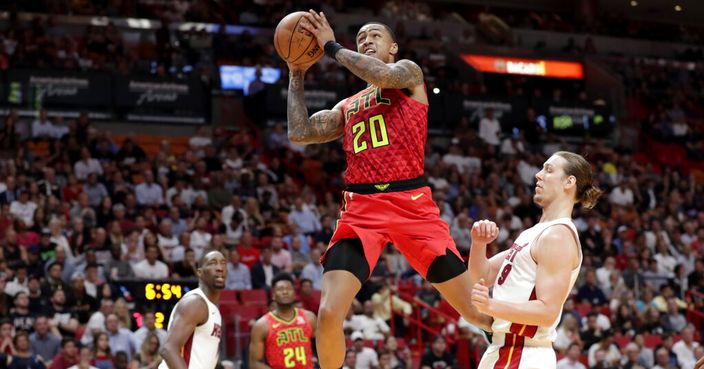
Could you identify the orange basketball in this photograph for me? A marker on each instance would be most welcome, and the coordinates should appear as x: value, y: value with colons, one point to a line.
x: 293, y: 43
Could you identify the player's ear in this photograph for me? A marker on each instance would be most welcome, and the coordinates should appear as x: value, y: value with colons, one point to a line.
x: 394, y: 49
x: 571, y: 181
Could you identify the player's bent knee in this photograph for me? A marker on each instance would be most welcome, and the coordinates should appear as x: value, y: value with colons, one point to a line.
x: 445, y: 267
x: 348, y: 254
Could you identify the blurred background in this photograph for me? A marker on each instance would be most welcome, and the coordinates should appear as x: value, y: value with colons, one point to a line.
x: 137, y: 133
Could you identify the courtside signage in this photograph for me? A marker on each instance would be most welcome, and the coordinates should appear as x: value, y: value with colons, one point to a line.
x: 527, y: 67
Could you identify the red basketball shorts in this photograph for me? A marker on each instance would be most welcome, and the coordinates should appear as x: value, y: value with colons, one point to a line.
x: 410, y: 220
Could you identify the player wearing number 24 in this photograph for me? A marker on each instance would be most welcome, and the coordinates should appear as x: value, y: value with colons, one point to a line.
x: 384, y: 130
x: 283, y: 337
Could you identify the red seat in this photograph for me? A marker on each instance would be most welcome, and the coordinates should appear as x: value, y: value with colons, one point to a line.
x: 622, y: 341
x: 254, y: 297
x: 228, y: 296
x: 651, y: 340
x: 583, y: 309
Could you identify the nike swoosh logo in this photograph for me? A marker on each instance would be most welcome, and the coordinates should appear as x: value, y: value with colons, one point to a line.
x: 416, y: 197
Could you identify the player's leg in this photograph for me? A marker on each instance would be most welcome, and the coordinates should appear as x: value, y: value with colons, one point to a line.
x: 346, y: 268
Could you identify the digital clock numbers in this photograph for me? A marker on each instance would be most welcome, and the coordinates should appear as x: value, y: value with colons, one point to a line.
x: 164, y: 291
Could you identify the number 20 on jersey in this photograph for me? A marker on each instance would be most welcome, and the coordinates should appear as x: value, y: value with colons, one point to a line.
x: 378, y: 136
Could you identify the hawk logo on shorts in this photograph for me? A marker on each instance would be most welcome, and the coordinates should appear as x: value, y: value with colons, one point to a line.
x: 382, y: 186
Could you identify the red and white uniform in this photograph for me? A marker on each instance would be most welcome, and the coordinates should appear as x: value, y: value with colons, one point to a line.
x: 288, y: 343
x: 520, y: 346
x: 202, y: 349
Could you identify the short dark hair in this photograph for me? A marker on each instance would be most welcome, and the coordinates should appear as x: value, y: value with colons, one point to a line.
x: 205, y: 254
x: 388, y: 29
x: 66, y: 341
x: 306, y: 280
x: 283, y: 276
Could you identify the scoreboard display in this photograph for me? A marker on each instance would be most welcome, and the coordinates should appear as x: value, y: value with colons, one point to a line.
x: 159, y: 296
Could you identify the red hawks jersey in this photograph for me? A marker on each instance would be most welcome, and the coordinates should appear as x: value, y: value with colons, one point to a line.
x: 385, y: 134
x: 288, y: 344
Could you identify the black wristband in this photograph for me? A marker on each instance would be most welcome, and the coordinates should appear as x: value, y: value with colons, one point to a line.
x: 331, y: 48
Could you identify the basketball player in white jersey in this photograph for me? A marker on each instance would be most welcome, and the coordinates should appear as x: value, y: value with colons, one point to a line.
x: 532, y: 280
x: 193, y: 337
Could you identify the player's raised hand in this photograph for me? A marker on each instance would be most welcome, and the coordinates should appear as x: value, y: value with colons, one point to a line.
x: 318, y: 25
x: 298, y: 67
x: 484, y: 232
x: 480, y: 297
x: 700, y: 363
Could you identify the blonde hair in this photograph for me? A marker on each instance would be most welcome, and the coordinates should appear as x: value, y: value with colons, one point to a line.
x: 123, y: 313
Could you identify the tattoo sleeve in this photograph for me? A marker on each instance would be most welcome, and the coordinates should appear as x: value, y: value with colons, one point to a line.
x: 402, y: 74
x: 323, y: 126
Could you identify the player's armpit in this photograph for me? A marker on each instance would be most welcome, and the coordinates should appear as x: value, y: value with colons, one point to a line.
x: 323, y: 126
x: 402, y: 74
x: 257, y: 345
x: 189, y: 314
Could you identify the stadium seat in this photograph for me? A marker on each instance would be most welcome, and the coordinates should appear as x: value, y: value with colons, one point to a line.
x: 651, y: 340
x: 622, y: 341
x: 254, y: 297
x: 228, y: 296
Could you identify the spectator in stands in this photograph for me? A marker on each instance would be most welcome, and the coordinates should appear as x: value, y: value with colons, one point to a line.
x: 646, y: 357
x: 23, y: 208
x: 238, y: 275
x: 461, y: 230
x: 685, y: 348
x: 148, y: 355
x: 21, y: 317
x: 605, y: 344
x: 386, y: 299
x: 43, y: 341
x: 590, y: 291
x: 308, y: 299
x: 350, y: 359
x: 662, y: 359
x: 42, y: 126
x: 200, y: 237
x: 186, y: 268
x: 63, y: 321
x: 630, y: 361
x: 372, y: 327
x: 673, y: 321
x: 67, y: 357
x: 314, y: 270
x: 249, y: 255
x: 96, y: 323
x: 437, y: 357
x: 101, y: 352
x: 366, y: 358
x: 148, y: 192
x: 264, y: 270
x: 622, y: 194
x: 148, y: 329
x: 84, y: 359
x: 571, y: 359
x: 117, y: 268
x: 20, y: 283
x: 151, y: 268
x: 24, y: 358
x: 86, y: 166
x: 299, y: 259
x: 168, y: 242
x: 121, y: 339
x: 304, y: 218
x: 490, y: 128
x: 280, y: 257
x: 567, y: 334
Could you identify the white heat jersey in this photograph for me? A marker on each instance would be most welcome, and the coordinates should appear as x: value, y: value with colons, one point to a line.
x: 202, y: 349
x: 516, y: 281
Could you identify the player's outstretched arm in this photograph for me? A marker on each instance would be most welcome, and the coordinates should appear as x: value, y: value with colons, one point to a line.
x: 323, y: 126
x: 402, y: 74
x: 484, y: 232
x: 257, y: 345
x: 188, y: 315
x: 556, y: 254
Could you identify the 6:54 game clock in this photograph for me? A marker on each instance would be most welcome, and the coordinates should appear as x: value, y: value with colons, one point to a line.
x: 157, y: 296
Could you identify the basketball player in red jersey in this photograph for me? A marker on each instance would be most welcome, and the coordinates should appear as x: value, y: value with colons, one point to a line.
x: 282, y: 339
x: 532, y: 280
x: 193, y: 337
x: 384, y: 129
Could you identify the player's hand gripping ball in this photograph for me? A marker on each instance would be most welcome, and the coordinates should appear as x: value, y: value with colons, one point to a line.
x: 294, y: 44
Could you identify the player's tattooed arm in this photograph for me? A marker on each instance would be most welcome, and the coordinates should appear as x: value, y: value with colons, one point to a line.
x: 323, y: 126
x: 402, y: 74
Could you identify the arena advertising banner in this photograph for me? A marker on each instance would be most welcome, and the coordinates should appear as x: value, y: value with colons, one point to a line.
x: 147, y: 93
x: 57, y: 89
x: 526, y: 67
